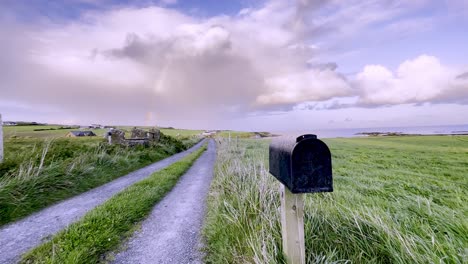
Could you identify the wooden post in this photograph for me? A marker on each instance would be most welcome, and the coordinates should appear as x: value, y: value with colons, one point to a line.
x: 292, y: 226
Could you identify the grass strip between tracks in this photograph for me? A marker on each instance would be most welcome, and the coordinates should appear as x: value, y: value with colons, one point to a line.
x: 102, y: 229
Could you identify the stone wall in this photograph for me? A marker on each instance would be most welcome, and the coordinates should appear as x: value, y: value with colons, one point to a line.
x: 139, y: 137
x: 116, y: 136
x: 131, y: 142
x: 138, y: 133
x: 154, y: 135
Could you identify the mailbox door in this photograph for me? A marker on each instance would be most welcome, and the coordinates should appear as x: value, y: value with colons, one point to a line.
x: 311, y: 167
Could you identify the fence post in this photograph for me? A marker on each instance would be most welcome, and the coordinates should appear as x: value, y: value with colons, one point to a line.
x: 292, y: 226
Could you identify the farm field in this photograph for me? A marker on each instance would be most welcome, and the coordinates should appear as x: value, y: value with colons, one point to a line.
x: 181, y: 132
x: 52, y: 131
x: 235, y: 134
x: 395, y: 200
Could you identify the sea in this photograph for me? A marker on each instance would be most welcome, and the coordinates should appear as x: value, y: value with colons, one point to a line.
x: 354, y: 132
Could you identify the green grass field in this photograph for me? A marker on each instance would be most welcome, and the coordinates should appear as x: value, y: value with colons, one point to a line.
x: 181, y: 132
x: 395, y: 200
x: 48, y: 131
x: 53, y: 131
x: 235, y: 134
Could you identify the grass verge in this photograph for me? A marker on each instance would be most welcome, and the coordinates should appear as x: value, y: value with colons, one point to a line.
x: 396, y: 200
x: 38, y: 173
x: 102, y: 229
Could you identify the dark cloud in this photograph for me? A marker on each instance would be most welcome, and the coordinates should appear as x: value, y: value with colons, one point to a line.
x: 195, y: 79
x: 463, y: 76
x: 323, y: 66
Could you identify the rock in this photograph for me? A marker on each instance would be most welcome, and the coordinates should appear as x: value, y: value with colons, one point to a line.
x: 154, y: 135
x: 138, y: 133
x: 116, y: 136
x: 139, y: 137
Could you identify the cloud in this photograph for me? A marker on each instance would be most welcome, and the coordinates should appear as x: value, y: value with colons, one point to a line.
x: 458, y: 7
x: 169, y: 2
x: 463, y: 76
x: 310, y: 85
x: 137, y: 60
x: 423, y: 79
x: 125, y: 62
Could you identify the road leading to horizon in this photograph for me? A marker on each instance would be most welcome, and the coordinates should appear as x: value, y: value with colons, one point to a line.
x: 171, y: 234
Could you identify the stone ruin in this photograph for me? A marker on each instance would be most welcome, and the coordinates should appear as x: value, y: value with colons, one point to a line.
x: 116, y: 136
x: 154, y: 135
x: 139, y: 137
x: 138, y: 133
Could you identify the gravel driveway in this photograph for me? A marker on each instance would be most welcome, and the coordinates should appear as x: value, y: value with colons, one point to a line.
x: 171, y: 233
x: 19, y: 237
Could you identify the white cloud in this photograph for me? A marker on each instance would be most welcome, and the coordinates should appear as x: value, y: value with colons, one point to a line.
x: 310, y: 85
x: 183, y: 65
x: 423, y: 79
x: 133, y: 61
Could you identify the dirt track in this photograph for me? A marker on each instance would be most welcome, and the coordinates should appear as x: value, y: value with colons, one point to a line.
x: 171, y: 234
x: 19, y: 237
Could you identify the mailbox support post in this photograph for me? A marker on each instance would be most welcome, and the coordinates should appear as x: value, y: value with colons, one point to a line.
x: 292, y: 226
x: 302, y: 166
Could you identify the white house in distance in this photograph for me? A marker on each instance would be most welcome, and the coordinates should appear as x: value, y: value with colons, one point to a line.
x: 9, y: 123
x: 96, y: 126
x: 208, y: 133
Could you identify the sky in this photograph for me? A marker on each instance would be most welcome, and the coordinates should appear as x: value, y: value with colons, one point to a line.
x: 243, y: 64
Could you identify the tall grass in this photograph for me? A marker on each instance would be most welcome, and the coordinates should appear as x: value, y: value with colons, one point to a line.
x: 242, y: 219
x: 396, y: 200
x: 103, y: 228
x: 38, y: 173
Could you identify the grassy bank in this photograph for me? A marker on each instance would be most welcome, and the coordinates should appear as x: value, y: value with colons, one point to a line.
x: 37, y: 173
x: 102, y: 229
x: 396, y: 200
x: 43, y: 131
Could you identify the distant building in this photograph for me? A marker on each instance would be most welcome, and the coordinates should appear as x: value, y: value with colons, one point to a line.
x: 9, y: 123
x: 80, y: 134
x: 96, y: 126
x: 208, y: 133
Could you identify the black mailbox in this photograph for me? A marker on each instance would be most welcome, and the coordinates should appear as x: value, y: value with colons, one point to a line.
x: 302, y: 165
